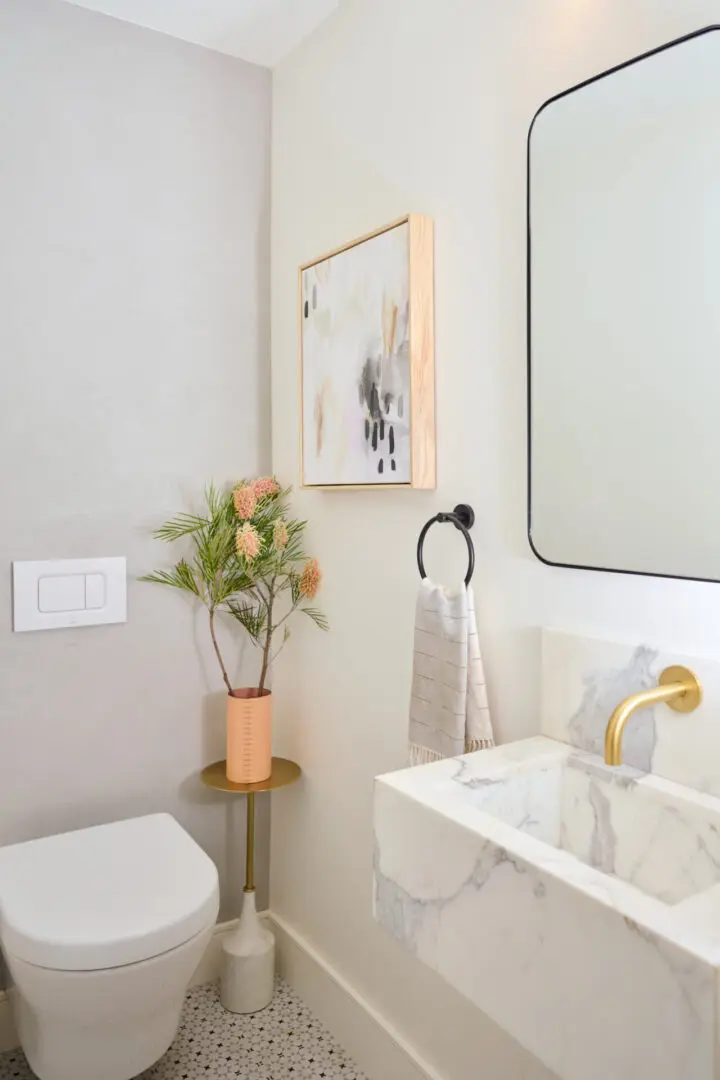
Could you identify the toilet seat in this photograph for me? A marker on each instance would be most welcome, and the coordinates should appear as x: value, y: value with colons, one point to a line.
x: 106, y: 896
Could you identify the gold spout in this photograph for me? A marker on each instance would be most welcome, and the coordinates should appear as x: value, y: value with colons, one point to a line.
x: 677, y: 686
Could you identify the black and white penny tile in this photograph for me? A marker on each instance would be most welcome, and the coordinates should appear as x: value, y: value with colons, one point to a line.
x: 283, y: 1042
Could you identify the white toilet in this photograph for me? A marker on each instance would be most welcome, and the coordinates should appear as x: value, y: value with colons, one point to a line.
x: 102, y: 930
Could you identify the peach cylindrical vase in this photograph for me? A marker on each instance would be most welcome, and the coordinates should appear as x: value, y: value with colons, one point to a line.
x: 249, y: 749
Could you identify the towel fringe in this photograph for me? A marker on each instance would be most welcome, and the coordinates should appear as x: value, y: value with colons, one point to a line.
x: 420, y: 755
x: 471, y: 745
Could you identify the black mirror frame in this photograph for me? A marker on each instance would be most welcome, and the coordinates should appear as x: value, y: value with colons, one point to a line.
x: 713, y: 28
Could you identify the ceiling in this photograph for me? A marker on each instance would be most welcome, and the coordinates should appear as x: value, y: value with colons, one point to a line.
x: 261, y: 31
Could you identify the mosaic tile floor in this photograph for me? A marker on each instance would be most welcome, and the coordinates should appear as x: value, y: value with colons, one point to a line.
x: 283, y: 1042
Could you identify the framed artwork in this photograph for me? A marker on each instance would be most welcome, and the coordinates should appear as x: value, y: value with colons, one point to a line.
x: 367, y: 361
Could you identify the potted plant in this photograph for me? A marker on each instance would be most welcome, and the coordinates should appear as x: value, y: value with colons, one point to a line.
x: 248, y: 563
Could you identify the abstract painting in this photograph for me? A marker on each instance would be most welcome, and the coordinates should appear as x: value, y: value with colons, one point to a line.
x: 367, y: 356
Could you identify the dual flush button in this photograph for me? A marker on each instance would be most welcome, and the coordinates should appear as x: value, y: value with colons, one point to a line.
x: 68, y: 592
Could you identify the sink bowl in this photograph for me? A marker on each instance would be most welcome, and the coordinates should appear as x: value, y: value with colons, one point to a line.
x: 576, y: 904
x: 653, y: 834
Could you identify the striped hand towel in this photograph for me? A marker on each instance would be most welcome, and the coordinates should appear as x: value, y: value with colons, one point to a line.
x: 449, y: 712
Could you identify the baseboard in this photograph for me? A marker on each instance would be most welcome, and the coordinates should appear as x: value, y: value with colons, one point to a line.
x: 372, y: 1042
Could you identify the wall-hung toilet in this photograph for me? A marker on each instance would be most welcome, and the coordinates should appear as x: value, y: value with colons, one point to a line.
x: 102, y: 930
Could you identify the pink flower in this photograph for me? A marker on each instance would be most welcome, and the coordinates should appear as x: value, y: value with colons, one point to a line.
x: 266, y: 485
x: 245, y: 499
x: 310, y: 579
x: 280, y: 535
x: 247, y: 541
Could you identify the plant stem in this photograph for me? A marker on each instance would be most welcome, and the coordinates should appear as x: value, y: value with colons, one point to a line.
x: 287, y: 615
x: 217, y: 651
x: 275, y: 655
x: 268, y: 642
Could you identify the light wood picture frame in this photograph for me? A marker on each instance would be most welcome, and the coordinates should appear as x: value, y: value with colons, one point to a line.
x: 367, y: 362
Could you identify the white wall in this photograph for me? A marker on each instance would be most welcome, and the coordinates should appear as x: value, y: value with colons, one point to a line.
x: 134, y: 295
x: 424, y: 105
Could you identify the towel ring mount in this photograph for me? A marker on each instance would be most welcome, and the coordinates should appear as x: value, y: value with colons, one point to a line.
x: 463, y: 518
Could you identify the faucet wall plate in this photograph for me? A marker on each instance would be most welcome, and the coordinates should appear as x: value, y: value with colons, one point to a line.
x: 692, y: 697
x: 677, y: 687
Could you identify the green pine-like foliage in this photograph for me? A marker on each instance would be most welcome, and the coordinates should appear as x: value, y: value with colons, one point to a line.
x: 260, y: 591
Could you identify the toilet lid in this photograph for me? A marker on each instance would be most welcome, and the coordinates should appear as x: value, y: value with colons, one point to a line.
x: 106, y: 896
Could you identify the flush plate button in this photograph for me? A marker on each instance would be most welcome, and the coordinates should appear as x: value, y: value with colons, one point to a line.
x: 68, y: 592
x: 95, y: 591
x: 61, y: 592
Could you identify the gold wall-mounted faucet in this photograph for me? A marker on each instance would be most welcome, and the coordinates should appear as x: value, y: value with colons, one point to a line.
x: 677, y: 687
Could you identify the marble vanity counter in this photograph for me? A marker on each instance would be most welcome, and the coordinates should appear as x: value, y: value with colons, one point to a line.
x: 577, y: 905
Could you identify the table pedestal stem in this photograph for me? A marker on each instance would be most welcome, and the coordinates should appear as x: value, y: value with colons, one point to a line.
x: 250, y: 843
x: 248, y: 963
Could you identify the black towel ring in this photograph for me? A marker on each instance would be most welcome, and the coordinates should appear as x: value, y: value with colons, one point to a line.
x: 463, y: 518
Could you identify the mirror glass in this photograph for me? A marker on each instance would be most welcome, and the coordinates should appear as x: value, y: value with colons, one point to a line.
x: 624, y: 321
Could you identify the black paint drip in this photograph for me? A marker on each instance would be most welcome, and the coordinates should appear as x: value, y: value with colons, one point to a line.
x: 368, y: 389
x: 369, y: 398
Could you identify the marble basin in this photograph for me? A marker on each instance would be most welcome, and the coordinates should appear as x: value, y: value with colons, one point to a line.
x: 576, y: 904
x: 655, y: 835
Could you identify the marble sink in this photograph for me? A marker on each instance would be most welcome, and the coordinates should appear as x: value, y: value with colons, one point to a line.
x: 576, y: 904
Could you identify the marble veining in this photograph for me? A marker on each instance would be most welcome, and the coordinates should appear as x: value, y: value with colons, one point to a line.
x: 584, y: 679
x: 603, y: 840
x: 576, y: 904
x: 397, y: 910
x: 603, y: 691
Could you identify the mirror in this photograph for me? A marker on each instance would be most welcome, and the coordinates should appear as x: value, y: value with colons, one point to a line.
x: 624, y: 319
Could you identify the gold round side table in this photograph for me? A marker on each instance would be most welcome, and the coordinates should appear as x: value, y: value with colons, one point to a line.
x: 248, y: 965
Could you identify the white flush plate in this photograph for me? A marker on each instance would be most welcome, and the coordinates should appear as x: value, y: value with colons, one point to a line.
x: 69, y: 592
